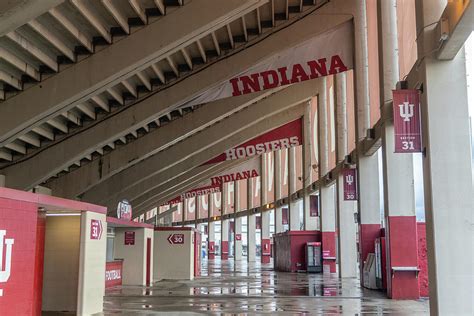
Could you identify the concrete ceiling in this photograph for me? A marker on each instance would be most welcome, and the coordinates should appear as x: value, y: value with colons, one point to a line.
x: 97, y: 92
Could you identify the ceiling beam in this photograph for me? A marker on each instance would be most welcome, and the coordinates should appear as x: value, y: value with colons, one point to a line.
x: 143, y: 112
x: 201, y: 147
x: 14, y: 14
x: 77, y: 182
x: 110, y: 66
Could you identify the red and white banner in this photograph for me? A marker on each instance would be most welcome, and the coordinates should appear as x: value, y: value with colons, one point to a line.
x: 285, y: 136
x: 124, y: 210
x: 314, y: 205
x: 407, y: 121
x: 113, y: 274
x: 246, y: 170
x: 350, y: 184
x: 129, y: 238
x: 311, y: 59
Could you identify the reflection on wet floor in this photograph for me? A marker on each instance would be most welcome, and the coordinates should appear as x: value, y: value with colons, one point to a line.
x: 228, y: 288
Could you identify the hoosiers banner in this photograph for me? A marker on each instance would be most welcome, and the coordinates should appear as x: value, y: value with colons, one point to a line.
x: 285, y: 136
x: 246, y: 170
x: 407, y: 121
x: 350, y: 184
x: 311, y: 59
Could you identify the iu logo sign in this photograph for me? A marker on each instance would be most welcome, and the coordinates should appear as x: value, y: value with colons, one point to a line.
x: 406, y: 111
x: 406, y: 121
x: 5, y: 271
x: 350, y: 184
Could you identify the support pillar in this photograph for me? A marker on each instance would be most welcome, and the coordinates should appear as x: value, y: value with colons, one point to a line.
x: 328, y: 199
x: 237, y: 223
x: 293, y: 211
x: 309, y: 223
x: 225, y: 239
x: 277, y: 185
x: 398, y: 174
x: 251, y: 226
x: 346, y: 233
x: 211, y: 231
x: 447, y: 172
x: 346, y: 209
x: 328, y: 228
x: 2, y: 181
x: 265, y: 215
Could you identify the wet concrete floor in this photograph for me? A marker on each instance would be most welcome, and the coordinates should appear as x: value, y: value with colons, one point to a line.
x: 242, y: 288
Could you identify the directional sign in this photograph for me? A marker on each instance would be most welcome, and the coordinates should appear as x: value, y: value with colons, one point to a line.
x: 96, y: 229
x: 176, y: 239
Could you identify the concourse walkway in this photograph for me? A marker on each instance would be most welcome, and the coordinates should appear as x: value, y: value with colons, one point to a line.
x: 256, y: 289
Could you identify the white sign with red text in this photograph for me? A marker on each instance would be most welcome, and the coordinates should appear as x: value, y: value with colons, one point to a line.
x: 311, y: 59
x: 246, y: 170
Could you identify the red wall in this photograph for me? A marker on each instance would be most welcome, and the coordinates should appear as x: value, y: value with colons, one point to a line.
x: 20, y: 292
x: 422, y: 260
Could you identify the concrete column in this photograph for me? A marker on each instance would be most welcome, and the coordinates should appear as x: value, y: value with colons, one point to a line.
x: 211, y: 230
x: 346, y: 209
x: 251, y: 226
x: 225, y: 239
x: 293, y: 211
x: 346, y: 233
x: 265, y: 229
x: 447, y: 172
x: 238, y: 243
x: 399, y: 190
x: 328, y: 228
x: 277, y: 185
x: 367, y: 166
x: 369, y: 206
x: 328, y: 202
x: 309, y: 223
x: 237, y: 222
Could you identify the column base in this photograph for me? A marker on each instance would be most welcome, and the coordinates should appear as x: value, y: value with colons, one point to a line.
x: 329, y: 251
x: 402, y: 278
x: 224, y: 250
x: 266, y: 251
x: 211, y: 254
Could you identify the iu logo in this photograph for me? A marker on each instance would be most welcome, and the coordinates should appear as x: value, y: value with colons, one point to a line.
x: 406, y: 111
x: 5, y: 271
x: 349, y: 179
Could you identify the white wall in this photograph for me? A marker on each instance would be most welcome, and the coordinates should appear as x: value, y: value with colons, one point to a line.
x: 173, y: 261
x: 134, y: 256
x: 61, y: 263
x: 91, y: 291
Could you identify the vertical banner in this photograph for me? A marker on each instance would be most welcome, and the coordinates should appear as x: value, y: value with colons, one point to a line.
x: 313, y: 205
x: 258, y: 222
x: 350, y: 184
x: 407, y: 121
x: 284, y: 216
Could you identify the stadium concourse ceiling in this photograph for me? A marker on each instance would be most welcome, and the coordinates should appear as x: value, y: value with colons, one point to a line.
x: 91, y: 91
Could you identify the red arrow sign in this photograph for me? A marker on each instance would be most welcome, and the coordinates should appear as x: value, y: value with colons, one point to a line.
x: 176, y: 239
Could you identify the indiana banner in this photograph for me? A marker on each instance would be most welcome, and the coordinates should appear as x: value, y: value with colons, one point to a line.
x: 311, y: 59
x: 248, y: 169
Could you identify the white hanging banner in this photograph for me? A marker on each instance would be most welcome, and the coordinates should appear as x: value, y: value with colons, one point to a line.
x: 314, y: 58
x: 246, y: 170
